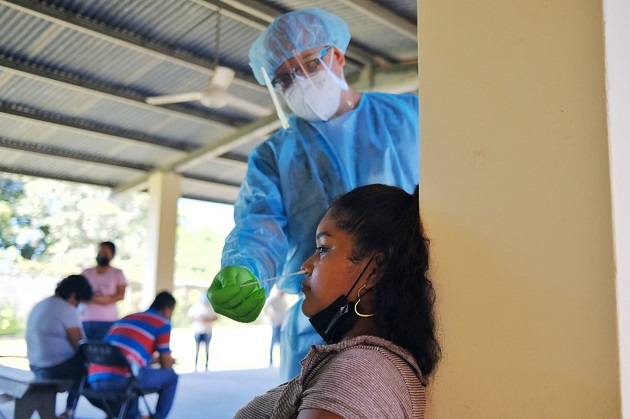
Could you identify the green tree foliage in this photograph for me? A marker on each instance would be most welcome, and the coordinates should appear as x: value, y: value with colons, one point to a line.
x: 10, y: 324
x: 17, y: 229
x: 72, y: 219
x: 198, y: 255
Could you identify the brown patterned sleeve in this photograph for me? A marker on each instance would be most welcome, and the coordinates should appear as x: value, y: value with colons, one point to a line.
x: 365, y: 382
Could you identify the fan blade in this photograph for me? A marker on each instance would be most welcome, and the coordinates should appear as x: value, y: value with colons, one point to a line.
x: 177, y: 98
x: 215, y: 97
x: 247, y: 106
x: 222, y: 77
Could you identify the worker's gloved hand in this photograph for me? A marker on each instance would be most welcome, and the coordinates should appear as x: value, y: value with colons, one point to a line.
x: 229, y: 297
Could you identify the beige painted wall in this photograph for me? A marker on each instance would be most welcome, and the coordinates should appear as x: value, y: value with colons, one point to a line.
x: 516, y: 198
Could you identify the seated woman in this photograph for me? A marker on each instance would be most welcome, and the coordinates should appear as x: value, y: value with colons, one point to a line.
x: 53, y: 333
x: 368, y: 295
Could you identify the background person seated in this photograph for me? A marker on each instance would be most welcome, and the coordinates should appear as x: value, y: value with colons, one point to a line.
x: 138, y: 335
x: 53, y: 333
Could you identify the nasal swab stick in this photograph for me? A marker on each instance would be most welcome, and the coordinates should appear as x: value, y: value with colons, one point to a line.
x: 275, y: 277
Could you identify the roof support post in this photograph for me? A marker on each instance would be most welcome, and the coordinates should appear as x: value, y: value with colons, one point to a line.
x: 164, y: 191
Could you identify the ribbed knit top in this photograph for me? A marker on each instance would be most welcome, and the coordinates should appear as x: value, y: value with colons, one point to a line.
x: 364, y: 377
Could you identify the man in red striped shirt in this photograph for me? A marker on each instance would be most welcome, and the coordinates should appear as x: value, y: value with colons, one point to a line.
x: 139, y: 336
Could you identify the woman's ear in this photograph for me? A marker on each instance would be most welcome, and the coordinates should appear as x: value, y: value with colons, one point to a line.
x: 376, y: 267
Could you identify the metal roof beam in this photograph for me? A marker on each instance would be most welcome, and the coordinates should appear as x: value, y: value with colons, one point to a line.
x: 233, y: 156
x: 260, y: 128
x: 68, y: 154
x: 216, y: 193
x: 384, y: 16
x: 92, y: 158
x: 44, y: 175
x: 230, y: 160
x: 124, y: 38
x: 260, y: 11
x: 255, y: 11
x: 212, y: 179
x: 39, y: 173
x: 399, y: 78
x: 233, y: 13
x: 20, y: 112
x: 125, y: 96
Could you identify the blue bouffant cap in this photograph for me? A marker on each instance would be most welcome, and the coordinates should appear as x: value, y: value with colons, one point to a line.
x: 296, y: 31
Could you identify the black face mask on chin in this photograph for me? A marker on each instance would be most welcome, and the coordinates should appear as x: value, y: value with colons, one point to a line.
x: 101, y: 261
x: 338, y: 318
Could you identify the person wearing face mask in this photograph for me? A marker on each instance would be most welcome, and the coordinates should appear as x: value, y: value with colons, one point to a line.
x: 368, y: 295
x: 108, y: 284
x: 335, y: 140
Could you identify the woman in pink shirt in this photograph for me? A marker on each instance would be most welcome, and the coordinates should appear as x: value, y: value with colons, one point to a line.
x: 108, y: 284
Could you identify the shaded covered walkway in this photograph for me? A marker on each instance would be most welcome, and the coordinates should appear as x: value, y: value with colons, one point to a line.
x: 200, y: 395
x: 238, y: 360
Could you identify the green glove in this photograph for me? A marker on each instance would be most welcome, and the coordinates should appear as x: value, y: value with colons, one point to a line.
x: 230, y: 298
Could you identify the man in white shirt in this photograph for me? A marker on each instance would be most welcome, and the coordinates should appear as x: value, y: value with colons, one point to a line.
x: 53, y: 333
x: 276, y: 310
x: 202, y: 317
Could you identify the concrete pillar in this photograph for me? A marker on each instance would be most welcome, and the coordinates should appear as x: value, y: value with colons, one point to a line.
x: 516, y: 199
x: 164, y: 191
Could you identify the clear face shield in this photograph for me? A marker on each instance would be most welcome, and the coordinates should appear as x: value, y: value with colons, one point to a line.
x: 308, y: 85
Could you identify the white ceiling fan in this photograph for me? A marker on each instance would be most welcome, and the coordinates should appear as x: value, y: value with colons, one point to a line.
x: 216, y: 94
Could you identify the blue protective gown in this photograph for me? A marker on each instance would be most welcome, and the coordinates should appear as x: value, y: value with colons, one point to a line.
x: 294, y: 176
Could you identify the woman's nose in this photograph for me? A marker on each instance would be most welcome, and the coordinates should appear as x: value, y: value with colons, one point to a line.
x: 307, y: 265
x: 303, y: 267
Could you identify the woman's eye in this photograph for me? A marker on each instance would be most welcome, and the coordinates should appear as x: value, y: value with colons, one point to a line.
x: 321, y: 249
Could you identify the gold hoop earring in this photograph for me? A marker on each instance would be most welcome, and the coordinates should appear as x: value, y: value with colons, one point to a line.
x: 359, y: 295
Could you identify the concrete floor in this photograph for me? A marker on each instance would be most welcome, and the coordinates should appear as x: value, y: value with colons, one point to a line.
x: 200, y: 395
x: 239, y: 355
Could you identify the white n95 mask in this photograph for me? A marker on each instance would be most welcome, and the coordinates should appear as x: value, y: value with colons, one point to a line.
x: 315, y: 98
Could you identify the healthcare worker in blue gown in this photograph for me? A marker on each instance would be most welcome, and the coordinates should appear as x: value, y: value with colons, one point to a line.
x: 336, y: 139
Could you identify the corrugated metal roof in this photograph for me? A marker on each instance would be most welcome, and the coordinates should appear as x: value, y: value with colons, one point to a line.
x: 363, y: 27
x: 405, y: 8
x: 74, y: 76
x: 64, y: 168
x: 196, y: 189
x: 64, y: 101
x: 43, y: 135
x: 222, y: 170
